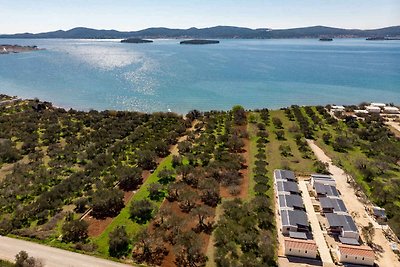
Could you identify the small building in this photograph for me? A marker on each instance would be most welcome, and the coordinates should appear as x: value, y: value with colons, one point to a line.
x: 286, y: 188
x: 300, y: 248
x: 380, y: 215
x: 325, y: 190
x: 360, y: 112
x: 335, y: 108
x: 332, y: 205
x: 343, y: 225
x: 373, y: 109
x: 292, y: 202
x: 391, y: 110
x: 284, y: 175
x: 362, y: 255
x: 323, y: 179
x: 379, y: 105
x: 294, y: 221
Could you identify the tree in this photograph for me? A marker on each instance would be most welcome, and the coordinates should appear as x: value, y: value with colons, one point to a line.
x: 193, y: 115
x: 119, y: 242
x: 107, y: 202
x: 239, y: 115
x: 321, y: 167
x: 187, y: 200
x: 368, y: 232
x: 80, y: 204
x: 280, y: 135
x: 188, y: 250
x: 129, y: 178
x: 166, y: 176
x: 209, y: 193
x: 141, y: 211
x: 22, y: 259
x: 8, y: 153
x: 156, y: 191
x: 184, y: 147
x: 149, y: 248
x: 174, y: 191
x: 327, y: 138
x: 75, y: 231
x: 203, y: 213
x: 147, y: 159
x: 277, y: 122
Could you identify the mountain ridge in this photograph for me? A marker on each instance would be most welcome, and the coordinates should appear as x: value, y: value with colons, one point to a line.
x: 221, y: 32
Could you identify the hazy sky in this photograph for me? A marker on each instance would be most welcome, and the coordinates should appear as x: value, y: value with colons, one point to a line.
x: 47, y: 15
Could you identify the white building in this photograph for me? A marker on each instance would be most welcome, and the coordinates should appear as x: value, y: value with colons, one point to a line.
x: 300, y: 248
x: 373, y: 109
x: 335, y: 108
x: 379, y: 105
x: 362, y: 255
x: 360, y: 111
x: 391, y: 110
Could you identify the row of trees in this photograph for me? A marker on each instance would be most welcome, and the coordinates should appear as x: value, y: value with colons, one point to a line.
x: 244, y: 235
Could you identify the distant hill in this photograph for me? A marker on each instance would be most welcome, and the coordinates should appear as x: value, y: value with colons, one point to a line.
x: 220, y: 32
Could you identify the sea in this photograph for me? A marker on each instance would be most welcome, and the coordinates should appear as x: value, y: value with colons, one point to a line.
x: 166, y: 76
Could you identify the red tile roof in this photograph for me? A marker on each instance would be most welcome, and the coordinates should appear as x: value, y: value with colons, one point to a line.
x: 300, y: 244
x: 361, y: 251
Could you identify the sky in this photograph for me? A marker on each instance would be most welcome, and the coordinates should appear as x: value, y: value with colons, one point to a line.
x: 127, y: 15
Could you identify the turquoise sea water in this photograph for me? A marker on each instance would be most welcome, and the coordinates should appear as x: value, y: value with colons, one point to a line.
x: 162, y: 76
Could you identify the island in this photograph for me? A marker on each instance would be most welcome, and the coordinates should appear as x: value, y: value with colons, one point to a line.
x: 326, y: 39
x: 383, y: 38
x: 8, y: 49
x: 136, y: 41
x: 199, y: 42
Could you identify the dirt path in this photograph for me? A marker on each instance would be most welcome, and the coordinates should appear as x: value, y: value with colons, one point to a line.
x: 319, y: 238
x: 385, y: 257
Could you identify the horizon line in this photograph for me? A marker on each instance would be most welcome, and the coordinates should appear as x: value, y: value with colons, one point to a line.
x: 208, y: 27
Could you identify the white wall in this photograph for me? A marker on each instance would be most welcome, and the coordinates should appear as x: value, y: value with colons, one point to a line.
x: 301, y: 253
x: 355, y: 259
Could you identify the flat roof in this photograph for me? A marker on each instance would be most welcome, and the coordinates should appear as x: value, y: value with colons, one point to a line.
x: 373, y: 107
x: 287, y: 186
x: 349, y: 241
x: 294, y: 218
x: 359, y: 251
x: 344, y: 221
x: 300, y: 244
x: 285, y: 175
x: 378, y: 104
x: 326, y: 189
x: 333, y: 203
x: 290, y: 201
x: 298, y: 235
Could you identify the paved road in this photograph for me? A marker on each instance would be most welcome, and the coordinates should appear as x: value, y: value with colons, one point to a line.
x: 316, y: 229
x: 51, y: 257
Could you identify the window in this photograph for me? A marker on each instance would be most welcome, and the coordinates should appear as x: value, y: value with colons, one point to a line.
x: 346, y: 256
x: 290, y: 249
x: 363, y: 258
x: 306, y: 251
x: 355, y: 258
